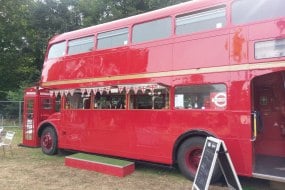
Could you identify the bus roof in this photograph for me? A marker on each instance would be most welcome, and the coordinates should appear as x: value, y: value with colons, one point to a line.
x: 129, y: 21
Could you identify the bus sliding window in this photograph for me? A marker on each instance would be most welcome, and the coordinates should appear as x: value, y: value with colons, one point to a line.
x: 81, y: 45
x: 57, y: 50
x: 201, y: 20
x: 114, y: 38
x: 153, y: 30
x: 246, y: 11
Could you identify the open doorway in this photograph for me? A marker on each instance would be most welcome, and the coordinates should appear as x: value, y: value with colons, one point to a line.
x: 268, y: 102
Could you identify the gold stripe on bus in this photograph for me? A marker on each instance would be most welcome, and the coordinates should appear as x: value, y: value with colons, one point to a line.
x: 228, y: 68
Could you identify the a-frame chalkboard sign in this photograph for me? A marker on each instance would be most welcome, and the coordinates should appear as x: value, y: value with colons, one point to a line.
x: 215, y: 149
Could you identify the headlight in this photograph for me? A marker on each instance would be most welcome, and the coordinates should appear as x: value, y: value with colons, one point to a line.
x: 270, y: 49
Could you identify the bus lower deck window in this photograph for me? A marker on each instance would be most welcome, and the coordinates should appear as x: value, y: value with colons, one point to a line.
x: 201, y: 97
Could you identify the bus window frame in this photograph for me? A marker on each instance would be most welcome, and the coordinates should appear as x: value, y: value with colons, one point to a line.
x: 113, y: 47
x: 247, y: 22
x: 81, y: 37
x: 172, y: 28
x: 51, y: 45
x: 201, y: 109
x: 201, y: 10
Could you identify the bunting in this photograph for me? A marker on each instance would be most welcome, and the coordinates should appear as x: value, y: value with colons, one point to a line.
x: 121, y: 88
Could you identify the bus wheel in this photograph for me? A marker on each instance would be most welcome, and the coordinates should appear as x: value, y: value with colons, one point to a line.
x: 49, y: 141
x: 189, y: 155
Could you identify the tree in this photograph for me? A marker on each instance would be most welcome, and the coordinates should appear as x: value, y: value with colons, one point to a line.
x: 48, y: 18
x: 25, y: 28
x: 101, y: 11
x: 16, y: 64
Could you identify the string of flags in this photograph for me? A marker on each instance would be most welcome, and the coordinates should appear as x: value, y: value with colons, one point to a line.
x: 110, y: 89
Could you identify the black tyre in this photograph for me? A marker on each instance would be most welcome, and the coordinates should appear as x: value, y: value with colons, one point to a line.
x: 49, y: 141
x: 188, y: 158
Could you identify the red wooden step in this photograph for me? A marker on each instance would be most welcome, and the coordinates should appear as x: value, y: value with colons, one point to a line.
x: 101, y: 164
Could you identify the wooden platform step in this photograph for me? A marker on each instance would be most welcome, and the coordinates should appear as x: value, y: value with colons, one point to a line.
x: 101, y: 164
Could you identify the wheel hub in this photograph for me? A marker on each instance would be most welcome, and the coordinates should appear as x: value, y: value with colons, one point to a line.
x: 47, y: 141
x: 192, y: 158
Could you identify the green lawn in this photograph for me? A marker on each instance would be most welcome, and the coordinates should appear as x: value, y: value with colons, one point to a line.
x: 29, y: 168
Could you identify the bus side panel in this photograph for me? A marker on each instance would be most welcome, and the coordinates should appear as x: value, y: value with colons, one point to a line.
x: 150, y: 136
x: 150, y: 57
x: 198, y: 45
x: 78, y: 66
x: 232, y: 127
x: 110, y: 62
x: 138, y: 134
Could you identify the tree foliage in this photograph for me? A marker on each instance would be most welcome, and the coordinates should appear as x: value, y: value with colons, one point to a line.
x: 48, y: 18
x: 101, y: 11
x: 27, y: 25
x: 13, y: 21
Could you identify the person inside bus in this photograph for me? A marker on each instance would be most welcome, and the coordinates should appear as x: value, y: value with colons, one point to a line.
x: 97, y: 100
x: 86, y: 103
x: 105, y: 101
x: 166, y: 105
x: 197, y: 103
x: 121, y: 104
x: 194, y: 102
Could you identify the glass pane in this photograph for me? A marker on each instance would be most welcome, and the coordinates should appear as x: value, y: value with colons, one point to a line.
x: 81, y: 45
x: 74, y: 101
x: 152, y: 30
x: 46, y: 104
x: 201, y: 97
x: 110, y: 100
x: 57, y: 50
x: 29, y: 123
x: 150, y: 99
x: 201, y: 21
x: 30, y: 106
x: 246, y: 11
x: 113, y: 38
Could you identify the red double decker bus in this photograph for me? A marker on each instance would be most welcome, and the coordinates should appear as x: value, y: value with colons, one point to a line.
x: 152, y: 87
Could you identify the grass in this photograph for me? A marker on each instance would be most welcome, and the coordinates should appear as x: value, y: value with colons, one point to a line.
x: 29, y: 168
x: 101, y: 159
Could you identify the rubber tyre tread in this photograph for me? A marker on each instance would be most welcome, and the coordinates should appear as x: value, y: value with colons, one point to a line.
x: 184, y: 147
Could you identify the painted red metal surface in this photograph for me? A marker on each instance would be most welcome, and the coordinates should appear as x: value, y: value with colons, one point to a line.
x: 100, y: 167
x: 34, y: 113
x: 224, y: 55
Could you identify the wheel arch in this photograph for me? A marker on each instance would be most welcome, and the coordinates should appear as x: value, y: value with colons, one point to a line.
x: 185, y: 136
x: 45, y: 125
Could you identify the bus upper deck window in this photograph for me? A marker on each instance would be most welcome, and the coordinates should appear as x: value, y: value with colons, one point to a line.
x: 57, y: 50
x: 81, y: 45
x: 269, y: 49
x: 152, y: 30
x: 246, y: 11
x: 201, y: 20
x: 114, y: 38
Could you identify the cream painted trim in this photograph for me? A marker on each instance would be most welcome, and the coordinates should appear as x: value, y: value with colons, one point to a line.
x: 228, y: 68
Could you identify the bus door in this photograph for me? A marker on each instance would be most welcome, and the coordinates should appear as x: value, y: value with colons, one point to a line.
x: 269, y: 125
x: 38, y: 105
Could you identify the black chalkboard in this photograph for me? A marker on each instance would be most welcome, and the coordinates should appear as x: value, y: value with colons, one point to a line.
x: 215, y: 149
x: 206, y: 166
